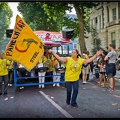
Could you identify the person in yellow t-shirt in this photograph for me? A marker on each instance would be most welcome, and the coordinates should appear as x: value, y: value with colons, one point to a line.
x: 41, y: 67
x: 49, y: 72
x: 56, y: 75
x: 73, y: 70
x: 10, y: 72
x: 3, y: 74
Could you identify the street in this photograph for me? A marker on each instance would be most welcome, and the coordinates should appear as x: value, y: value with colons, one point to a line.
x: 50, y: 102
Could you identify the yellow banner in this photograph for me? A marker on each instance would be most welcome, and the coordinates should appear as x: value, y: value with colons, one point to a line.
x: 24, y: 46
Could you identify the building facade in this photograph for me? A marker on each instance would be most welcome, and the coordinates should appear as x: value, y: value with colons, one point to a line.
x: 106, y: 20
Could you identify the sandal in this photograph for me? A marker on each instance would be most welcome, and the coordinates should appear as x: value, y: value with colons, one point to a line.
x: 99, y: 85
x: 103, y: 86
x: 110, y: 89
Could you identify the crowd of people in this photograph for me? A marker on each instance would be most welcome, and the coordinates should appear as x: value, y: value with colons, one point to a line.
x: 74, y: 66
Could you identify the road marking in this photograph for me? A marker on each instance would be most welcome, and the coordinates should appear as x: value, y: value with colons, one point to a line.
x: 56, y: 105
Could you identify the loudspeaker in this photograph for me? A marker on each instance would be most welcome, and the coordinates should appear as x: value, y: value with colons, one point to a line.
x: 9, y: 33
x: 68, y: 33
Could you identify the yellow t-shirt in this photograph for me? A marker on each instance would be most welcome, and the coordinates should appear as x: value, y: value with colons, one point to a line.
x: 48, y: 62
x: 43, y: 60
x: 54, y: 62
x: 73, y: 69
x: 10, y: 62
x: 3, y: 67
x: 87, y: 57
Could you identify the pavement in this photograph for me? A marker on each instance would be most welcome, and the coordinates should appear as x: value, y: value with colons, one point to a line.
x: 50, y: 102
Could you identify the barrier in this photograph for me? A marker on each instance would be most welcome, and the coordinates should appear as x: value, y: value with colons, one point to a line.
x: 16, y: 78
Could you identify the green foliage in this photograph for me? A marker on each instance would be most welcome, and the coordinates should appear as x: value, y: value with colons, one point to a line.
x: 32, y: 26
x: 35, y: 13
x: 5, y: 15
x: 50, y: 16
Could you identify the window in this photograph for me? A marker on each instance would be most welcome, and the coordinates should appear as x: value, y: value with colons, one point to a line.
x: 96, y: 23
x: 113, y: 38
x: 74, y: 46
x: 114, y: 14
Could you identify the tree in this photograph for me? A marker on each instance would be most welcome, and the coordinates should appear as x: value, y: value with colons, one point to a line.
x: 82, y: 9
x: 5, y: 15
x: 50, y: 16
x: 34, y: 12
x: 32, y: 26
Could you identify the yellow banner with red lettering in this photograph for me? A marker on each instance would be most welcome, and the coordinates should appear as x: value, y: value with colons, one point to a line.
x: 24, y: 46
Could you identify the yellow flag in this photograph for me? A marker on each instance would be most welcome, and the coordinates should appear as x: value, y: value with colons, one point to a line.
x: 24, y: 46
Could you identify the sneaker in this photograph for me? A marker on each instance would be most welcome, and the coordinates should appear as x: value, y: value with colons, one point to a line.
x: 10, y: 84
x: 43, y: 86
x: 22, y: 87
x: 5, y: 93
x: 53, y: 85
x: 58, y: 85
x: 68, y: 103
x: 84, y: 82
x: 74, y: 105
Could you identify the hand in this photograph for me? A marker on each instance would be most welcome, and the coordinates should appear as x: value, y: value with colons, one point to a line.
x: 50, y: 50
x: 99, y: 52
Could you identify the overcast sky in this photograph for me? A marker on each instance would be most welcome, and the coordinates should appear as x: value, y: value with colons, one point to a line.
x: 13, y: 6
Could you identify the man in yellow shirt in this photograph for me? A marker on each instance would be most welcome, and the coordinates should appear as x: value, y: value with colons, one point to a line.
x: 3, y: 74
x: 73, y: 70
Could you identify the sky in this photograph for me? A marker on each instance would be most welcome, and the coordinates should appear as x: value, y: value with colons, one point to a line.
x: 13, y: 6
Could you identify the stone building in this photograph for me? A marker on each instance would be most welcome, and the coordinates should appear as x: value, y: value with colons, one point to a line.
x: 106, y: 20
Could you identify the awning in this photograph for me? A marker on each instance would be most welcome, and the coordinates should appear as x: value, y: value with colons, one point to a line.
x: 52, y: 38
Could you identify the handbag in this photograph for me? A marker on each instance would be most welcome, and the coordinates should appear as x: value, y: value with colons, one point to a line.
x: 90, y: 75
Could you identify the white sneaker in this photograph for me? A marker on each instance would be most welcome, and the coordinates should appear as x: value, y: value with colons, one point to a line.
x: 53, y: 84
x: 22, y: 87
x: 10, y: 84
x: 83, y: 81
x: 43, y: 86
x: 58, y: 85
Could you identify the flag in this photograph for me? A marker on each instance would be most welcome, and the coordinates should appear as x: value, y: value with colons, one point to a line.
x: 24, y: 46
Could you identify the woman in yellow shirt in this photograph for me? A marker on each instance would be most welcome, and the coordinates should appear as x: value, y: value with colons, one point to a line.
x: 73, y: 70
x: 56, y: 75
x: 3, y: 74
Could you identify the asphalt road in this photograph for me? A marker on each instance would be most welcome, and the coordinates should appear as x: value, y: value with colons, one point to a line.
x: 34, y: 102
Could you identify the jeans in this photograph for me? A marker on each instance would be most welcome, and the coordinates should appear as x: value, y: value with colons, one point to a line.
x: 6, y: 80
x: 72, y: 96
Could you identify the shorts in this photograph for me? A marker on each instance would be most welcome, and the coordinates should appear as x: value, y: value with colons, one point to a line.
x: 85, y: 70
x: 97, y: 75
x: 110, y: 75
x: 110, y: 70
x: 102, y: 73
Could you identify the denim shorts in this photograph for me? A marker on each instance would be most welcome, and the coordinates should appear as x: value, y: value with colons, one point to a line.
x: 110, y: 70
